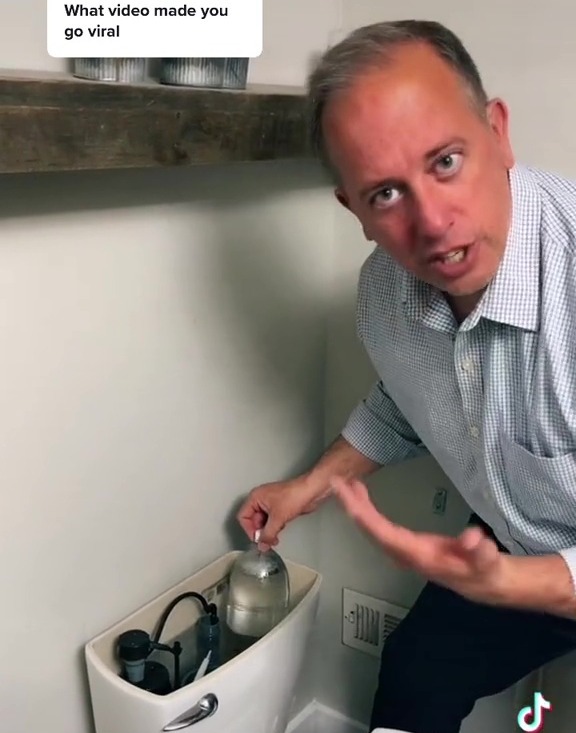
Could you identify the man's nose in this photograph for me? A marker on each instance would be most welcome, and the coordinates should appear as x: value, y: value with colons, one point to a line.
x: 432, y: 214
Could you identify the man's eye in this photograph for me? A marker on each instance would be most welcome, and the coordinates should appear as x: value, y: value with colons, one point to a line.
x: 449, y: 163
x: 386, y: 197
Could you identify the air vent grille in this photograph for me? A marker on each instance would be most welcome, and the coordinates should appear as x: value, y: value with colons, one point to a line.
x: 367, y: 622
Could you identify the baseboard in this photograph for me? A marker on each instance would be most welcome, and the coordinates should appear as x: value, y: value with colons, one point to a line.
x: 317, y: 718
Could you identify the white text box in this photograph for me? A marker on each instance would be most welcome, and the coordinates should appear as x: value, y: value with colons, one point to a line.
x: 154, y: 29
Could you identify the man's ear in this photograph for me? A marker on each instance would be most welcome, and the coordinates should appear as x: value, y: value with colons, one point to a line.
x: 498, y: 119
x: 367, y: 235
x: 344, y: 201
x: 342, y: 198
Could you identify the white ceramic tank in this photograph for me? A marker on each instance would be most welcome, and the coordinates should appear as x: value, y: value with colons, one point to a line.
x: 251, y: 693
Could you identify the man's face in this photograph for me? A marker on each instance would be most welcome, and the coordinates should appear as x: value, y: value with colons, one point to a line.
x: 426, y: 176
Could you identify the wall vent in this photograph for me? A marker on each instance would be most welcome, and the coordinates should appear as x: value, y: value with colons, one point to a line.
x: 367, y: 622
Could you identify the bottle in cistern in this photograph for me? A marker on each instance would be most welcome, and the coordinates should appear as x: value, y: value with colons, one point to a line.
x: 258, y: 593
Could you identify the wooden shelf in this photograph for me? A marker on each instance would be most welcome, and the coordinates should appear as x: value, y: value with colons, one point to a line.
x: 55, y: 122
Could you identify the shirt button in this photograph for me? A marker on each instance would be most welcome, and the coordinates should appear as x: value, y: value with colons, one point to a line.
x: 468, y: 365
x: 474, y: 432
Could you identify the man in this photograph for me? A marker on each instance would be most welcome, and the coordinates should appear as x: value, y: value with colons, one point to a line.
x: 467, y: 309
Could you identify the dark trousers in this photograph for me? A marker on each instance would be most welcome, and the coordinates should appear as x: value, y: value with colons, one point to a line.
x: 448, y: 652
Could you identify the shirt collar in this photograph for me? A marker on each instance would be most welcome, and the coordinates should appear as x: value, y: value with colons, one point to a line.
x: 426, y: 304
x: 513, y: 296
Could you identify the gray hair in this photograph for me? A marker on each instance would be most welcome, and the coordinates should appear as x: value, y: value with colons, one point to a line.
x: 370, y: 45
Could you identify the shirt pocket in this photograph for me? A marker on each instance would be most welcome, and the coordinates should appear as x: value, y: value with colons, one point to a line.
x: 542, y: 488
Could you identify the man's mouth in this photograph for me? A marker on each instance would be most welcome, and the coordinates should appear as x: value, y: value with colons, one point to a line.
x: 454, y: 263
x: 456, y: 255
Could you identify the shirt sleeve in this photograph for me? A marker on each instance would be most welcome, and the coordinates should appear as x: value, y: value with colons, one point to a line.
x: 378, y: 430
x: 376, y: 427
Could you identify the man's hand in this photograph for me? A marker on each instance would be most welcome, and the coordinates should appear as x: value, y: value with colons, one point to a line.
x: 470, y: 564
x: 271, y: 506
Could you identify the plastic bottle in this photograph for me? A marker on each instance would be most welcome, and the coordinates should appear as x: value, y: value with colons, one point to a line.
x: 258, y: 593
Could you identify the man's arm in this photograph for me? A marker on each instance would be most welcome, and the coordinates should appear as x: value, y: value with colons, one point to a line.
x: 340, y: 459
x: 376, y: 434
x: 541, y: 583
x: 379, y: 430
x: 470, y: 564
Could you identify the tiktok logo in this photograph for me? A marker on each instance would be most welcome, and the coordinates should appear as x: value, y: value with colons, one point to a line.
x: 532, y: 720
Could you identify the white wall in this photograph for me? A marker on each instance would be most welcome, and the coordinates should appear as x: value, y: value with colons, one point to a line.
x: 163, y: 346
x: 526, y: 54
x: 163, y: 351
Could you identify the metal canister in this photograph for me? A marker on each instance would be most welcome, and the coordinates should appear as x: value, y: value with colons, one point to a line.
x: 235, y: 73
x: 128, y: 71
x: 193, y: 72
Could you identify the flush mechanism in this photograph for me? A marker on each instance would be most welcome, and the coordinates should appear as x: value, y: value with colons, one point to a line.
x: 204, y: 708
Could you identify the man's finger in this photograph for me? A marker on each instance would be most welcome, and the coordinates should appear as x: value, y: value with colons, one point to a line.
x: 247, y: 520
x: 355, y: 499
x: 480, y: 550
x: 471, y: 538
x: 268, y: 533
x: 351, y: 491
x: 252, y: 517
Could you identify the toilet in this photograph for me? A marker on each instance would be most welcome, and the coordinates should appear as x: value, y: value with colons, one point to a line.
x: 251, y: 693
